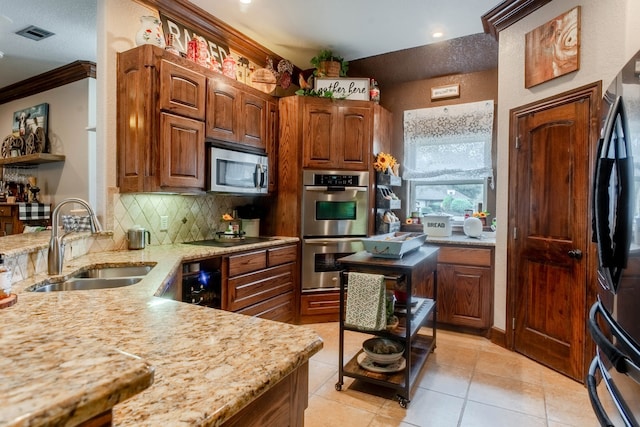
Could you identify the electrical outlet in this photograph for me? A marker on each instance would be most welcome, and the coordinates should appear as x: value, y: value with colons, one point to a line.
x: 164, y: 222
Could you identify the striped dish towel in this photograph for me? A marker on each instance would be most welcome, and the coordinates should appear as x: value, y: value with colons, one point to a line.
x: 366, y: 302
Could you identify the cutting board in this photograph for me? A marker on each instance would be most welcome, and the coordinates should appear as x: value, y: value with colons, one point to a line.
x: 8, y: 301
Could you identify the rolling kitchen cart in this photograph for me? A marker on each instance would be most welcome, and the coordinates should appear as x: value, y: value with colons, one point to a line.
x: 416, y: 328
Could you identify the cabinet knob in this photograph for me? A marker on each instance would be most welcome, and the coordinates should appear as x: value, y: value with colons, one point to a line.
x: 575, y: 253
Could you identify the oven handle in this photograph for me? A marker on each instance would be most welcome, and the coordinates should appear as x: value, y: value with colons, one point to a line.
x: 324, y: 241
x: 332, y: 188
x: 601, y: 414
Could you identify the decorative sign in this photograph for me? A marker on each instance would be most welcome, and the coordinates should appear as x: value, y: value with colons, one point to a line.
x: 182, y: 34
x: 552, y: 49
x: 441, y: 92
x: 345, y: 88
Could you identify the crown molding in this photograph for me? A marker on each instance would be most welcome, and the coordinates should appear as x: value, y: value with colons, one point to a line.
x: 61, y: 76
x: 507, y: 13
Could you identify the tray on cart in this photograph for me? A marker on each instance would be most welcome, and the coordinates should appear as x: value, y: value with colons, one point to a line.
x: 393, y: 245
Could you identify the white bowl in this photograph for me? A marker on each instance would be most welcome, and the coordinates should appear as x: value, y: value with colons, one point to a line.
x: 382, y: 350
x: 472, y: 227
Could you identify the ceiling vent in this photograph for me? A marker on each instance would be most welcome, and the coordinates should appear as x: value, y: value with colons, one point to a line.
x: 34, y: 33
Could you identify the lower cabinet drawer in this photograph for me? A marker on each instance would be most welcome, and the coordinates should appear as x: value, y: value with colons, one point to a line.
x: 320, y: 307
x: 278, y: 308
x: 252, y: 288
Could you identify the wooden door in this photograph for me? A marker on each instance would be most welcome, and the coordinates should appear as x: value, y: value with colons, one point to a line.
x: 354, y: 137
x: 182, y: 147
x: 222, y: 111
x: 549, y: 228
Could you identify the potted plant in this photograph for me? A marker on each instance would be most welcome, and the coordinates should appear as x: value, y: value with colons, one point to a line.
x: 329, y: 65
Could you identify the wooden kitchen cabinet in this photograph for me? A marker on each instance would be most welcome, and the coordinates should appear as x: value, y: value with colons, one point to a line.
x: 336, y: 134
x: 262, y: 283
x: 9, y: 222
x: 465, y: 287
x: 237, y: 114
x: 161, y: 112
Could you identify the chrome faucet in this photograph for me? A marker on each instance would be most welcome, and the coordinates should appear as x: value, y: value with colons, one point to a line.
x: 56, y: 244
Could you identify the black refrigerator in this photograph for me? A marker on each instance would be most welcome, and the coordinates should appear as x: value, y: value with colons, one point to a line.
x: 613, y: 381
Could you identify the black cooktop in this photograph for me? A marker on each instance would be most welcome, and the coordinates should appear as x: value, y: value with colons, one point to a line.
x: 227, y: 243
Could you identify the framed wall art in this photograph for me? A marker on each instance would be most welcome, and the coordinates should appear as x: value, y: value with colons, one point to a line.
x: 553, y: 49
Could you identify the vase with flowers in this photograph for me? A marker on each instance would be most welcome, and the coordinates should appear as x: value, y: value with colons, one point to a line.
x: 387, y: 164
x: 482, y: 215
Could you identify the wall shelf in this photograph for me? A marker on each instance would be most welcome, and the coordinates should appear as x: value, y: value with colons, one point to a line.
x: 32, y: 159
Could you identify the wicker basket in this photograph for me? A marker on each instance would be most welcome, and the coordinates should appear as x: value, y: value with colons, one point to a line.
x: 329, y: 69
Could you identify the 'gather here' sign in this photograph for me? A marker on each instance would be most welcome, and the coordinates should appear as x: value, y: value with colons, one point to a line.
x: 345, y: 88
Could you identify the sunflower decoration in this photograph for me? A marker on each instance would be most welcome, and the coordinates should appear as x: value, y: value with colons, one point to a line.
x: 384, y: 162
x: 482, y: 214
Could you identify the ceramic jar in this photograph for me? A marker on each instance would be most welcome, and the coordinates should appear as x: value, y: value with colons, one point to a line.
x: 229, y: 67
x: 150, y: 32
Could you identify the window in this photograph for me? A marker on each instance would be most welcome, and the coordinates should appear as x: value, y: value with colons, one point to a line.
x: 447, y: 157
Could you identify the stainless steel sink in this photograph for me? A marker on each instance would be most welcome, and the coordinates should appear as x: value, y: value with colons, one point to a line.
x: 96, y: 278
x: 87, y: 284
x: 119, y: 271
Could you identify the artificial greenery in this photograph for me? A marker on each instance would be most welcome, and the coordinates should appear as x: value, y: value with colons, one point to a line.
x: 328, y: 55
x: 313, y: 92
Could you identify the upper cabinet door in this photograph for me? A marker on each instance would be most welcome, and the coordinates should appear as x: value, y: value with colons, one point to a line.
x: 182, y: 91
x: 182, y: 152
x: 354, y: 133
x: 318, y: 139
x: 254, y: 121
x: 222, y: 111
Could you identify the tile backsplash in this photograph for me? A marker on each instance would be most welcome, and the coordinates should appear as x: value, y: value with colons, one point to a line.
x: 190, y: 217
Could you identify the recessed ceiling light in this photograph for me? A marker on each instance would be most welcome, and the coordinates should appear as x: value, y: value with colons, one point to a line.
x: 437, y: 35
x: 245, y: 1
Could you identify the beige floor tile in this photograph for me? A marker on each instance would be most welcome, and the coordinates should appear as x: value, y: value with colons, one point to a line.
x: 326, y: 413
x: 570, y: 405
x: 511, y: 365
x: 427, y: 408
x: 357, y: 394
x: 380, y: 421
x: 508, y: 393
x: 320, y: 373
x: 466, y: 382
x: 446, y: 379
x: 481, y: 415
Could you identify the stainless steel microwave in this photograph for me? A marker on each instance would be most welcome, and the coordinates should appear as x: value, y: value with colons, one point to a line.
x: 237, y: 172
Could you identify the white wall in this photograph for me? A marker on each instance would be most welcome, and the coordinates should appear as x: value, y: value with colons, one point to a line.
x: 607, y: 42
x: 69, y: 117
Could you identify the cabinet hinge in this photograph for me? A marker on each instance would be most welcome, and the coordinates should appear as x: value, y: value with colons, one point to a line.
x: 513, y: 323
x: 515, y: 233
x: 517, y: 142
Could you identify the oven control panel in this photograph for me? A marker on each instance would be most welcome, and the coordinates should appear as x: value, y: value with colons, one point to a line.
x: 336, y: 178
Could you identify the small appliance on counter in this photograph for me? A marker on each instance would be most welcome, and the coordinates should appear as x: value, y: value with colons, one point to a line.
x: 138, y: 237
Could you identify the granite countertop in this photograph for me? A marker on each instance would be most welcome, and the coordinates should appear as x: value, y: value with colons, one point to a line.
x: 207, y: 364
x: 487, y: 238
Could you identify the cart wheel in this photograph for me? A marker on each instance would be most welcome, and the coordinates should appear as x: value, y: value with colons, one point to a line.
x: 402, y: 402
x: 338, y: 386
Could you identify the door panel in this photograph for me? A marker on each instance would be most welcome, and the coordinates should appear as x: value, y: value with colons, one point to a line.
x: 549, y: 221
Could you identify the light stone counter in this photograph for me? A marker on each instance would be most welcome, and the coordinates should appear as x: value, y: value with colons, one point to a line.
x: 208, y: 364
x: 487, y: 238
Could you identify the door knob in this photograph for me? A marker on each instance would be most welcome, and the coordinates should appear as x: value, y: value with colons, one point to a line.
x: 575, y: 253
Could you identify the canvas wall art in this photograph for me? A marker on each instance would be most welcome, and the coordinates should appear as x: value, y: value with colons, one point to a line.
x: 553, y: 49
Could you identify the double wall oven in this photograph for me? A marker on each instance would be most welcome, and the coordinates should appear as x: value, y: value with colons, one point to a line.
x: 335, y: 207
